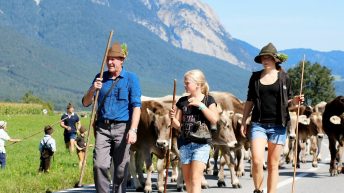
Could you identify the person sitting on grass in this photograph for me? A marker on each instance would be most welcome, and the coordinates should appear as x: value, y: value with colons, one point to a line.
x: 47, y: 147
x: 4, y: 137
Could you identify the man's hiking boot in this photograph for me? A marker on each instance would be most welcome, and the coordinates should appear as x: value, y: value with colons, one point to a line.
x: 258, y: 191
x: 202, y: 131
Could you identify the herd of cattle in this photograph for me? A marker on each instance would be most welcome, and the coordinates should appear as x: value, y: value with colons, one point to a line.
x: 153, y: 138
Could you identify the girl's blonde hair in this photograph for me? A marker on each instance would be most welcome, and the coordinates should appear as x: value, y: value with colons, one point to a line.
x: 199, y: 78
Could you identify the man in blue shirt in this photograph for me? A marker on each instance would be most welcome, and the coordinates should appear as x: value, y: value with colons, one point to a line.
x: 118, y: 117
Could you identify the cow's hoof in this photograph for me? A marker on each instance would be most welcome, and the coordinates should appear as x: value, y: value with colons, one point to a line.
x: 240, y: 174
x: 179, y: 189
x: 205, y: 186
x: 148, y: 191
x: 221, y: 184
x: 160, y: 191
x: 236, y: 186
x: 314, y: 165
x: 215, y: 172
x: 173, y: 180
x: 298, y: 165
x: 139, y: 189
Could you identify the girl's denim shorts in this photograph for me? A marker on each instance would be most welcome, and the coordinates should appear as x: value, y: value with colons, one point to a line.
x: 276, y: 134
x: 194, y: 152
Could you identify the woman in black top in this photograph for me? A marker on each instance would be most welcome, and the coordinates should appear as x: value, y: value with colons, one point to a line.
x: 199, y: 107
x: 269, y: 95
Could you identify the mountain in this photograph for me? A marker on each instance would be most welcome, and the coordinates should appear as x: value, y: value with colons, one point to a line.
x: 54, y: 48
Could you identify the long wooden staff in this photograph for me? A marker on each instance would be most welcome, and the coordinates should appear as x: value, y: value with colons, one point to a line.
x: 170, y: 137
x: 94, y: 110
x: 25, y: 138
x: 297, y: 124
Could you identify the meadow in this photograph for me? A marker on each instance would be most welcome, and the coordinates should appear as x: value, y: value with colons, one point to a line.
x: 21, y: 173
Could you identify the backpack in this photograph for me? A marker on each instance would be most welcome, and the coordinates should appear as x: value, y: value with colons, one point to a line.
x: 46, y: 150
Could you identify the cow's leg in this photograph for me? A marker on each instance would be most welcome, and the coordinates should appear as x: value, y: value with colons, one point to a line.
x: 174, y: 163
x: 314, y: 149
x: 216, y: 157
x: 231, y: 165
x: 303, y: 148
x: 340, y: 159
x: 161, y: 172
x: 139, y: 165
x: 133, y: 172
x: 204, y: 183
x: 333, y: 151
x: 180, y: 180
x: 149, y: 170
x: 290, y: 155
x: 240, y: 162
x: 319, y: 141
x: 221, y: 172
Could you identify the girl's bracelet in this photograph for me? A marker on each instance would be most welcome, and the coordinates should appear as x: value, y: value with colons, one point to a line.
x: 201, y: 107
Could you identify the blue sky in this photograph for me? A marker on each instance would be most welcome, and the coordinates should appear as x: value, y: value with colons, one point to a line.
x: 314, y: 24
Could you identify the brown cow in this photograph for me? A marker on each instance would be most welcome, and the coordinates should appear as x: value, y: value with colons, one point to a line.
x: 335, y: 132
x: 152, y: 138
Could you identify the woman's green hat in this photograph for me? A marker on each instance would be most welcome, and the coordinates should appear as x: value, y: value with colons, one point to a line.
x: 270, y: 50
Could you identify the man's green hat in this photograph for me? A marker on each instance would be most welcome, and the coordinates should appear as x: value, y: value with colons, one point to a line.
x: 270, y: 50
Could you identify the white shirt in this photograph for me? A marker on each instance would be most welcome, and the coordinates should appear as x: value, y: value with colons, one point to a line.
x: 3, y: 137
x: 49, y: 141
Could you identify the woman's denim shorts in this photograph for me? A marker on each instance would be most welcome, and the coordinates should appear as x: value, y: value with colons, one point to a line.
x: 276, y: 134
x: 194, y: 152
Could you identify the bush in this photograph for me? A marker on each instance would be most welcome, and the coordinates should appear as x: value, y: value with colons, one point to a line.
x: 20, y: 109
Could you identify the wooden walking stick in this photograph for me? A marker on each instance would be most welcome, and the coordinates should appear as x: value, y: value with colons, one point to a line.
x: 25, y: 138
x: 170, y: 137
x: 297, y: 124
x: 94, y: 110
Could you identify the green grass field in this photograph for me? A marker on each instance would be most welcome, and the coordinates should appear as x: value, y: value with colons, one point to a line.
x: 21, y: 173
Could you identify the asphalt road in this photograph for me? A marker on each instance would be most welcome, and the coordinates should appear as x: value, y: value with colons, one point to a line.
x: 308, y: 180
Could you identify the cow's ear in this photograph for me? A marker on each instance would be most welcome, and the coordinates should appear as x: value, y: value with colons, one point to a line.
x: 304, y: 120
x: 219, y: 108
x: 335, y: 120
x: 150, y: 113
x: 239, y: 117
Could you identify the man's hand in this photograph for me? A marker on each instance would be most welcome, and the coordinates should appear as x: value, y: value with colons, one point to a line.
x: 131, y: 137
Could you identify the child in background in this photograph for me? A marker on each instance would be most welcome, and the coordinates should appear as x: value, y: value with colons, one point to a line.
x: 81, y: 145
x: 47, y: 147
x: 4, y: 137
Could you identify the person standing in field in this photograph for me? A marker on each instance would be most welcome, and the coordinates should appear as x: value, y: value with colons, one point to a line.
x: 4, y: 137
x: 269, y: 96
x: 71, y: 123
x: 47, y: 148
x: 81, y: 145
x: 119, y: 109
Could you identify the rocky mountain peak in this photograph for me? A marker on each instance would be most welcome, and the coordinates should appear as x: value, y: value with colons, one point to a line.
x: 188, y: 24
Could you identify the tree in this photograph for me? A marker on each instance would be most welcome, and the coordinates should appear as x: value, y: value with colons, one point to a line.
x: 317, y: 82
x: 30, y: 98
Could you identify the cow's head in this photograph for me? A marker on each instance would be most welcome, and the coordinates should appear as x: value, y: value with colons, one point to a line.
x: 225, y: 134
x: 335, y: 107
x: 159, y: 123
x: 316, y: 121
